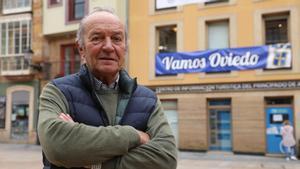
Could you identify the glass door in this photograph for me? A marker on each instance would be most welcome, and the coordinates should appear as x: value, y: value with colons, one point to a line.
x: 19, y: 116
x: 220, y: 125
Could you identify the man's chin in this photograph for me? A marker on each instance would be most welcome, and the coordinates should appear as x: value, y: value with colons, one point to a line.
x: 108, y: 72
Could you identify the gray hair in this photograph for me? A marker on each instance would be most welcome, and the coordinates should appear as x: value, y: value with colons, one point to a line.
x: 80, y: 31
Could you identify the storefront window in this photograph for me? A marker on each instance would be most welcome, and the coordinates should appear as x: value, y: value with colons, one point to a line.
x: 19, y: 116
x: 170, y: 110
x: 2, y: 111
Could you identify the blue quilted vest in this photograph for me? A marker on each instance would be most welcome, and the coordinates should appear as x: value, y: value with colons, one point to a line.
x: 135, y: 105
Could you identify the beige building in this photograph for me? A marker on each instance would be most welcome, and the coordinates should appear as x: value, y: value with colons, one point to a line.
x: 236, y: 110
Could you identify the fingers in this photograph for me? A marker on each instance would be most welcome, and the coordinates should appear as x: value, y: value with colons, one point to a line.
x: 144, y: 137
x: 65, y: 117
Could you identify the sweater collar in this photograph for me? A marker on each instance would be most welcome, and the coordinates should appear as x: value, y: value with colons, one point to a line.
x: 126, y: 84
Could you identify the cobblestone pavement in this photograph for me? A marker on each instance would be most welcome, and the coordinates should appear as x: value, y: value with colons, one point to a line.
x: 17, y: 156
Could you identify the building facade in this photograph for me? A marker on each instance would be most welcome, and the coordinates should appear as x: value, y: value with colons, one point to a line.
x: 237, y: 109
x: 20, y: 70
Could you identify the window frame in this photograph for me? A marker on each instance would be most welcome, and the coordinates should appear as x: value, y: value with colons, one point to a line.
x: 157, y: 43
x: 274, y: 17
x: 207, y: 23
x: 214, y: 2
x: 15, y: 9
x: 163, y: 9
x: 14, y: 63
x: 57, y: 4
x: 3, y: 111
x: 72, y: 60
x: 70, y: 11
x: 153, y: 46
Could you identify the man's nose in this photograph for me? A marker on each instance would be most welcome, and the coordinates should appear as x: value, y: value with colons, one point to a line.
x: 108, y: 46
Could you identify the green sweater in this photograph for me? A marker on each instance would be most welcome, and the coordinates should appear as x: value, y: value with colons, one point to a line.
x: 116, y: 147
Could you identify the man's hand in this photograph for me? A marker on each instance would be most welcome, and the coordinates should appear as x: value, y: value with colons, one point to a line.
x: 144, y: 137
x: 65, y: 117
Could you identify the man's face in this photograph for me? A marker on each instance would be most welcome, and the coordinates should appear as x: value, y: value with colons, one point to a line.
x: 104, y: 46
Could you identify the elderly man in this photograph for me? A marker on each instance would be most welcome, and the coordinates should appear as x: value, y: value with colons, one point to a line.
x: 100, y: 117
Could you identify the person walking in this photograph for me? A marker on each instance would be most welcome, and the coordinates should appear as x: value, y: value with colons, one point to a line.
x: 288, y: 140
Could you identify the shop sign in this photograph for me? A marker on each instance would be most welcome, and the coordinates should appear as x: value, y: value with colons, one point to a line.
x: 230, y: 87
x: 223, y: 60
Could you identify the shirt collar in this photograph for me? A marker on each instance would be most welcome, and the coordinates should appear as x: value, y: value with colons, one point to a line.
x: 99, y: 85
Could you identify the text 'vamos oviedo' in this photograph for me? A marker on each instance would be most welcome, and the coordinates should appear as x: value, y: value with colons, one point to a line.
x: 221, y: 60
x: 214, y: 60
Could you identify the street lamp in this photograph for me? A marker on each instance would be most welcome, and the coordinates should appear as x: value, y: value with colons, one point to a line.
x: 27, y: 58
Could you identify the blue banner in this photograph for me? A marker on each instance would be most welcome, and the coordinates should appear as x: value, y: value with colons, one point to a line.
x: 224, y: 60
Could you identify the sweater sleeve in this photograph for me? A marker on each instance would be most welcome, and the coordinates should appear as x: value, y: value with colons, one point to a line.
x: 160, y: 152
x: 73, y: 144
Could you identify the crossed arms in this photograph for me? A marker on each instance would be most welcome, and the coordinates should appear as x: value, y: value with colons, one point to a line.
x: 70, y: 144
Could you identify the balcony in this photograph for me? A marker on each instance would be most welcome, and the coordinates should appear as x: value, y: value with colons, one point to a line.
x: 16, y: 6
x: 15, y: 66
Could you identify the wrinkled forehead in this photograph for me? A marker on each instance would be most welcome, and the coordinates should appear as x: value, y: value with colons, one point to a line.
x: 104, y: 20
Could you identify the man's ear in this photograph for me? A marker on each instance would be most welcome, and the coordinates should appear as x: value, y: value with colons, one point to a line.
x: 80, y: 49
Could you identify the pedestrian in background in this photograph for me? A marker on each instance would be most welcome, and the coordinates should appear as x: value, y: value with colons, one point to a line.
x: 288, y: 140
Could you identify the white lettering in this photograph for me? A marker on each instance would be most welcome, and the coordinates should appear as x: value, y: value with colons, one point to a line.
x: 177, y: 64
x: 217, y: 60
x: 167, y: 61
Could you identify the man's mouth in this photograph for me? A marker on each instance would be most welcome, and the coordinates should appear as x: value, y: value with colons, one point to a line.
x: 107, y: 59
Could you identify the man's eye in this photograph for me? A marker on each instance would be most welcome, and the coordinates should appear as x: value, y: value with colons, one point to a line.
x: 93, y: 39
x: 117, y: 39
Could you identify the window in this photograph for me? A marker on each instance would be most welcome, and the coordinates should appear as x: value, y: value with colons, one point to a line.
x: 218, y: 34
x: 209, y: 2
x: 167, y: 38
x: 2, y: 111
x: 170, y: 111
x: 54, y: 3
x: 279, y: 101
x: 70, y: 62
x: 163, y: 5
x: 218, y: 37
x: 76, y: 9
x: 276, y: 28
x: 14, y: 41
x: 15, y: 6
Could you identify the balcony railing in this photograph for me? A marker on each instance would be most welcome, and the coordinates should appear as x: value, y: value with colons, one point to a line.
x: 15, y: 65
x: 16, y: 6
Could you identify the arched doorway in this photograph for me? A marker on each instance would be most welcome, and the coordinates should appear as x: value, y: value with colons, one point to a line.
x: 20, y: 112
